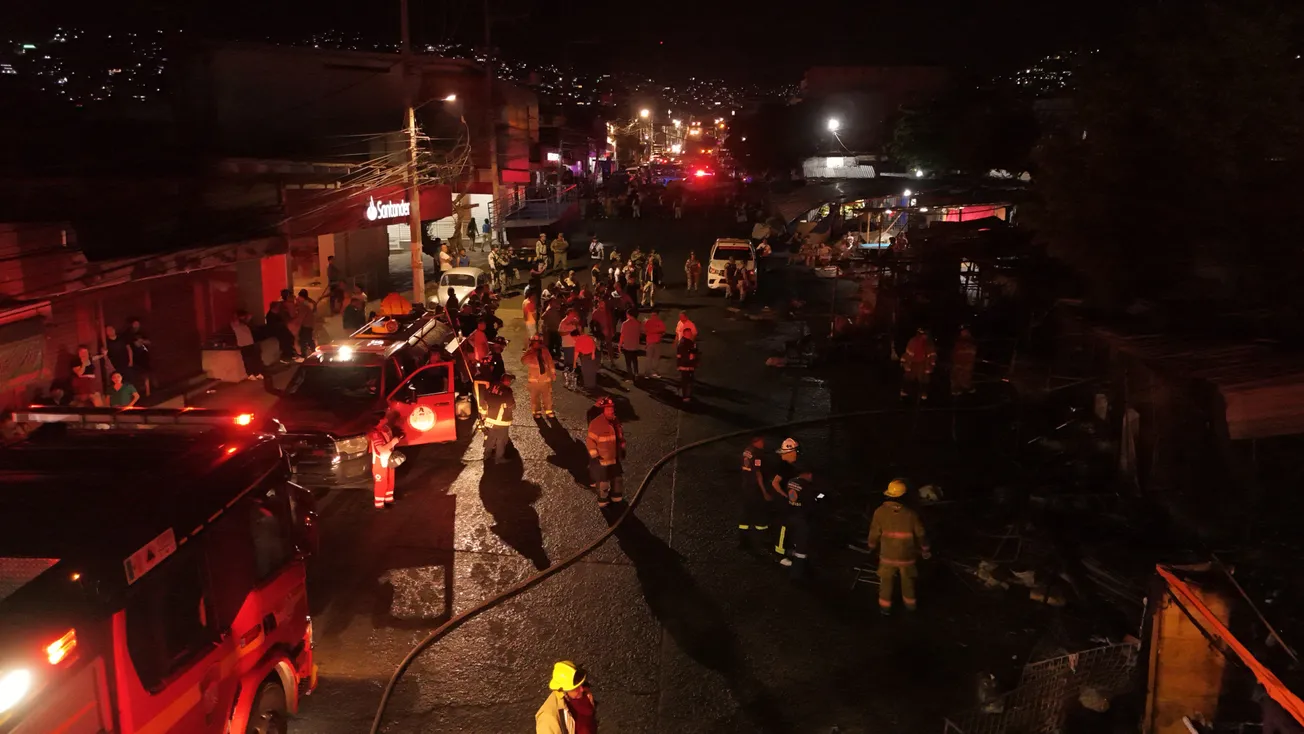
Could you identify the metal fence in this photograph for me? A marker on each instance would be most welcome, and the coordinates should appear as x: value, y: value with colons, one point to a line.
x: 1048, y: 690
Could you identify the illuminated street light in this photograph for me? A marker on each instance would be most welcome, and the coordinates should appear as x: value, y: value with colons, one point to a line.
x: 676, y: 148
x: 677, y: 123
x: 451, y: 98
x: 644, y: 113
x: 919, y: 173
x: 834, y: 124
x: 906, y: 192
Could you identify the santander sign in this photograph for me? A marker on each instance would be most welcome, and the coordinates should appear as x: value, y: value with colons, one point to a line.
x: 387, y: 209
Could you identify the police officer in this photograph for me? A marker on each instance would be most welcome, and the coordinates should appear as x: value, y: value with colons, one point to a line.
x: 383, y: 438
x: 755, y: 497
x: 797, y: 521
x: 784, y: 469
x: 500, y: 402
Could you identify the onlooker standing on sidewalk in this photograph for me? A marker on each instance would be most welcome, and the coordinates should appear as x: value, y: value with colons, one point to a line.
x: 280, y: 328
x: 569, y: 328
x: 631, y: 334
x: 596, y: 249
x: 244, y: 340
x: 118, y: 350
x: 683, y: 325
x: 687, y: 358
x: 471, y: 231
x: 87, y: 388
x: 122, y: 394
x: 654, y: 330
x: 140, y: 356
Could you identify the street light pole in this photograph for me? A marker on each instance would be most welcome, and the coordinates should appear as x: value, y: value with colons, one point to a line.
x: 491, y: 119
x: 413, y: 185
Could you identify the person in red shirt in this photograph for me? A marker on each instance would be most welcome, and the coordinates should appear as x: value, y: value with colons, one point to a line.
x: 480, y: 341
x: 586, y: 359
x: 654, y: 331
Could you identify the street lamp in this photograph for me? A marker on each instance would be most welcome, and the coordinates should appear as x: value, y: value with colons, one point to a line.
x: 834, y: 124
x: 907, y: 192
x: 644, y: 113
x: 451, y: 98
x: 919, y: 173
x: 676, y: 122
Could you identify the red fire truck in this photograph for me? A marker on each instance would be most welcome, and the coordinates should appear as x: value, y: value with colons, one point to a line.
x: 151, y: 575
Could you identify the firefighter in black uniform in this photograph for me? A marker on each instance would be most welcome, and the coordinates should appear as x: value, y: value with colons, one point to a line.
x: 755, y: 497
x: 499, y: 404
x: 797, y: 521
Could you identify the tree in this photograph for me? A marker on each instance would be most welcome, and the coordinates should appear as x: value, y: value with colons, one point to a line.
x: 777, y: 138
x: 968, y: 128
x: 1184, y: 160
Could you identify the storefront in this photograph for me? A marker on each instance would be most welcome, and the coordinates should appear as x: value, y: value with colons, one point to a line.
x: 356, y: 227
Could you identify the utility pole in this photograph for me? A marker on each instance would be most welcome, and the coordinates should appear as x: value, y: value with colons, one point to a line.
x: 491, y: 119
x: 413, y: 185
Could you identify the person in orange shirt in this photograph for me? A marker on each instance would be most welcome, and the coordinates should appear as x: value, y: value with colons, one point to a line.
x: 529, y: 311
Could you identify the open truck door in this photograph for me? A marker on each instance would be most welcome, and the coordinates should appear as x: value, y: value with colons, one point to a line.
x: 424, y: 402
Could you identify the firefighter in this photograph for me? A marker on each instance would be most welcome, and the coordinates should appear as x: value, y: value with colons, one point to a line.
x: 917, y: 364
x: 498, y: 418
x: 606, y: 444
x: 383, y: 438
x: 541, y: 370
x: 963, y: 356
x: 570, y: 707
x: 898, y: 535
x: 755, y: 496
x: 784, y: 470
x: 797, y: 521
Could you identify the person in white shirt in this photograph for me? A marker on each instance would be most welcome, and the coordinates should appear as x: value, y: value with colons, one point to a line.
x: 445, y: 259
x: 244, y: 340
x: 596, y: 248
x: 683, y: 325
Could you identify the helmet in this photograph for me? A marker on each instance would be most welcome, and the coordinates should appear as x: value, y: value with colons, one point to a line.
x: 536, y: 339
x: 604, y: 402
x: 788, y: 446
x: 566, y: 676
x: 896, y: 488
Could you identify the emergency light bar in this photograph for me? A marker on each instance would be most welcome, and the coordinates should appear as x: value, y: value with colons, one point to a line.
x: 128, y: 417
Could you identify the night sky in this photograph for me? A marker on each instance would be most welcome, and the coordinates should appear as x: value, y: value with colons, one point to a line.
x: 736, y: 40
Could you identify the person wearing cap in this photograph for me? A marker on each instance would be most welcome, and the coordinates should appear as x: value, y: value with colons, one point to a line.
x: 570, y: 708
x: 542, y: 371
x: 784, y: 470
x: 964, y: 355
x: 898, y: 535
x: 500, y: 402
x: 606, y: 445
x: 917, y: 364
x: 755, y: 496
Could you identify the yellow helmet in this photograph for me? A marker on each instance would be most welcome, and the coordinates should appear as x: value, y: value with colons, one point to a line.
x: 566, y: 676
x: 896, y: 488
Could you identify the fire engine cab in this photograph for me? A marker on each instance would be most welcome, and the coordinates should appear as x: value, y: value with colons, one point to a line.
x: 404, y: 363
x: 151, y: 575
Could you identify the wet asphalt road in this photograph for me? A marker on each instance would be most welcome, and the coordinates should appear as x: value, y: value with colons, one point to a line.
x: 680, y: 630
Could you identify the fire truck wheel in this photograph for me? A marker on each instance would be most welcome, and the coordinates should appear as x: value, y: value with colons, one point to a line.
x: 270, y: 712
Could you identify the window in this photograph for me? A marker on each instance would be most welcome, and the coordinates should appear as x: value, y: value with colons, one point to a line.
x: 433, y: 381
x: 167, y: 618
x: 458, y: 280
x: 270, y: 524
x: 332, y: 382
x: 393, y: 375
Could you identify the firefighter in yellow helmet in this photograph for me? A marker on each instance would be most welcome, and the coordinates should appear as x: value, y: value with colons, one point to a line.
x: 570, y: 708
x: 898, y: 535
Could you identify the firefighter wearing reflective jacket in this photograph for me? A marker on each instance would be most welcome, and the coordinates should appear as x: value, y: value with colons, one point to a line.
x: 917, y: 364
x: 755, y: 496
x: 383, y: 438
x: 898, y: 536
x: 606, y: 444
x: 963, y: 357
x: 797, y: 521
x: 499, y: 404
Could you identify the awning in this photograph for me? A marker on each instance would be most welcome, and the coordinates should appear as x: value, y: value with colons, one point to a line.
x: 312, y: 212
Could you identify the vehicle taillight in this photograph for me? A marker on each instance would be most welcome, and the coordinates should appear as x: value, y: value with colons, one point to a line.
x: 14, y: 686
x: 61, y: 648
x: 244, y: 419
x: 700, y: 173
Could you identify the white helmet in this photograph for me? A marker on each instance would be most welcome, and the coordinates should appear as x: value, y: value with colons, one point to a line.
x: 788, y: 446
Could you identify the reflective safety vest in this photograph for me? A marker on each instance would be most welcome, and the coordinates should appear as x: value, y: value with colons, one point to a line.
x: 898, y: 534
x: 501, y: 403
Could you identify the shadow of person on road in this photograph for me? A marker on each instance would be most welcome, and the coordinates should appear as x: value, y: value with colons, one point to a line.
x: 694, y: 621
x: 510, y: 500
x: 568, y: 452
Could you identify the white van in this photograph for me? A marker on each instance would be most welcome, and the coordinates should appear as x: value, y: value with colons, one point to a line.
x: 722, y: 252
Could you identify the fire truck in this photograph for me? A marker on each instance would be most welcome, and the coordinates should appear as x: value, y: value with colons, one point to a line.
x: 404, y: 363
x: 152, y: 575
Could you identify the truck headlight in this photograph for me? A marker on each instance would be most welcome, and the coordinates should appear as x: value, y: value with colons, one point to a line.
x: 14, y: 686
x: 352, y: 445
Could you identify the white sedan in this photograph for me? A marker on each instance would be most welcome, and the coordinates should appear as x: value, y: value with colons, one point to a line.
x: 462, y: 281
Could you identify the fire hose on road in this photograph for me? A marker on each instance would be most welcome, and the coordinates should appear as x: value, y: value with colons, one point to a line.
x: 459, y: 619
